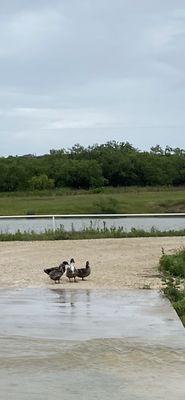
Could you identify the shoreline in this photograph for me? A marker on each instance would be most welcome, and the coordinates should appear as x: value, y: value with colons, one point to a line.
x: 125, y: 263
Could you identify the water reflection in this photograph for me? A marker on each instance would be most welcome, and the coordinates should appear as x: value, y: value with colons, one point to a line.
x: 70, y: 298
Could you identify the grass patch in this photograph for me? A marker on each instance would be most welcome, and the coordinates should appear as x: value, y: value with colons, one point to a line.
x: 172, y: 268
x: 104, y: 200
x: 107, y: 205
x: 173, y: 206
x: 87, y: 233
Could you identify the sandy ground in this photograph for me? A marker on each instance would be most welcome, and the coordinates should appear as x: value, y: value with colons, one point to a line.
x: 116, y: 263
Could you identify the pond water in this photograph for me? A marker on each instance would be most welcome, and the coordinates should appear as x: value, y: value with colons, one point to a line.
x: 73, y: 345
x: 78, y: 224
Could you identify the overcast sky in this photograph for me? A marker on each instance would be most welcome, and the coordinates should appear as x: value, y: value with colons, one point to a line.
x: 88, y: 71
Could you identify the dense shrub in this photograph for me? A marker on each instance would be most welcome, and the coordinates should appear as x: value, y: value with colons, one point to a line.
x: 174, y: 264
x: 107, y: 205
x: 112, y: 163
x: 173, y: 270
x: 41, y: 182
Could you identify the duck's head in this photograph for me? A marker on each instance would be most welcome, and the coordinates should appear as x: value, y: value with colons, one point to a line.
x: 65, y: 263
x: 87, y: 264
x: 72, y: 261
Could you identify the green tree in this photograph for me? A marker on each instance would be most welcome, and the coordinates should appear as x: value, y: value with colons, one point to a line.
x: 41, y: 182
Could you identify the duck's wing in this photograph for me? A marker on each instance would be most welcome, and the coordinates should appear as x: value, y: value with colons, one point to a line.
x: 55, y: 274
x: 80, y: 272
x: 83, y: 272
x: 48, y: 270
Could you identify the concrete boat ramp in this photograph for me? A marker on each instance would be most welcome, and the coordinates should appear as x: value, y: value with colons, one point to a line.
x: 88, y: 344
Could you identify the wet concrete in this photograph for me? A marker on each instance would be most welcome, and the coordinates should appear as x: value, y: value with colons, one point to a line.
x: 90, y: 345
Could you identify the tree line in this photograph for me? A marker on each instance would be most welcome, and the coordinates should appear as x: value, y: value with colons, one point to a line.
x: 110, y: 164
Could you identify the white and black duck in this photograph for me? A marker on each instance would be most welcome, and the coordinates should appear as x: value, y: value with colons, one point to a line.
x: 71, y: 271
x: 84, y: 272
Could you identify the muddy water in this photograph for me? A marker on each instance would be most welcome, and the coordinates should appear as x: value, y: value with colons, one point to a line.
x: 57, y: 344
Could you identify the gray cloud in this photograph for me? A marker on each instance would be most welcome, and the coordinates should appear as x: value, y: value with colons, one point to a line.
x: 82, y: 71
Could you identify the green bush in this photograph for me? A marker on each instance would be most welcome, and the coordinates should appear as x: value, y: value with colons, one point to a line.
x: 107, y: 205
x: 173, y: 293
x: 174, y: 264
x: 173, y: 270
x: 41, y: 182
x: 180, y: 307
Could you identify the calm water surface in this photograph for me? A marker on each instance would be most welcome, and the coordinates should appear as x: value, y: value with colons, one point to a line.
x: 78, y: 224
x: 59, y: 344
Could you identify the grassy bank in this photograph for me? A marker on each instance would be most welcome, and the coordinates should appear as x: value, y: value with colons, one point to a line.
x: 172, y: 268
x: 60, y: 234
x: 108, y: 200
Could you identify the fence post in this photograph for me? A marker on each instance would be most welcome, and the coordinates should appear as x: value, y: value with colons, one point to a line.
x: 54, y: 227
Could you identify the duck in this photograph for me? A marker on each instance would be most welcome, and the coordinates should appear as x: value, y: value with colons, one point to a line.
x: 84, y: 272
x: 55, y: 275
x: 71, y: 270
x: 61, y: 267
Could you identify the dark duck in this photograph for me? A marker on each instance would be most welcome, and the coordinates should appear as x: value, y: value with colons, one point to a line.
x: 55, y: 273
x: 71, y: 271
x: 84, y: 272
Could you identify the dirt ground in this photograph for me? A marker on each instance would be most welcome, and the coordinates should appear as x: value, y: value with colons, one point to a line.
x: 116, y: 263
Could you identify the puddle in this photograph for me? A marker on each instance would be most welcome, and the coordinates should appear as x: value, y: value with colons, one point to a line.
x: 65, y: 344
